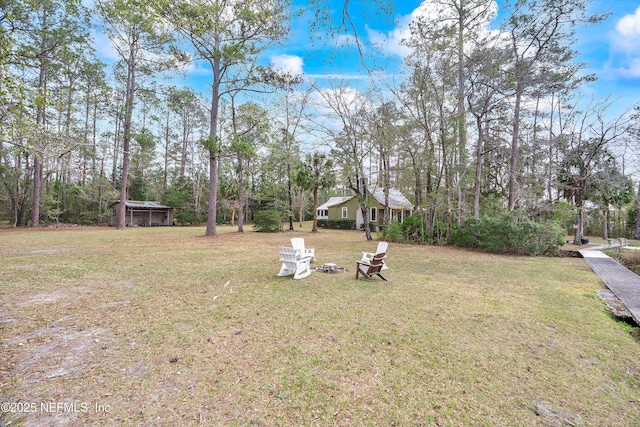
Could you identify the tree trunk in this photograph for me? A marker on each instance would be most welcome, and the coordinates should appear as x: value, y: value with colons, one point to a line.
x: 478, y: 177
x: 126, y: 142
x: 637, y: 236
x: 607, y: 216
x: 94, y: 131
x: 37, y: 159
x: 213, y: 155
x: 513, y: 163
x: 549, y: 168
x: 447, y: 181
x: 386, y: 186
x: 314, y: 229
x: 417, y: 181
x: 116, y: 146
x: 462, y: 125
x: 167, y: 142
x: 85, y: 141
x: 213, y: 193
x: 100, y: 190
x: 185, y: 140
x: 449, y: 211
x: 37, y: 189
x: 240, y: 194
x: 362, y: 186
x: 290, y: 196
x: 577, y: 240
x: 302, y: 208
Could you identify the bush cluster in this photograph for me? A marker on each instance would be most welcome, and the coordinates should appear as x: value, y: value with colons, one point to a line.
x: 412, y: 230
x: 188, y: 217
x: 268, y: 221
x: 393, y: 232
x: 508, y: 234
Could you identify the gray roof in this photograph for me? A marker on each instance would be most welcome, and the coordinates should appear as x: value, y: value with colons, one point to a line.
x: 144, y: 204
x: 396, y: 198
x: 333, y: 201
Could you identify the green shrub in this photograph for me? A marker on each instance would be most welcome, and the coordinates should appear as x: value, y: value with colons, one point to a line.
x: 632, y: 217
x: 269, y: 221
x: 188, y: 218
x: 507, y: 234
x: 393, y: 232
x: 440, y: 232
x: 341, y: 224
x: 565, y: 215
x: 414, y: 229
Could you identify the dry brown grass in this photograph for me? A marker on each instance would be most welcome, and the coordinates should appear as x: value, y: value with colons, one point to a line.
x: 630, y: 258
x: 165, y: 327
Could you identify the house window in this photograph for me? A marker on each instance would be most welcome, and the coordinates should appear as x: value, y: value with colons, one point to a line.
x: 323, y: 212
x: 374, y: 215
x: 345, y: 213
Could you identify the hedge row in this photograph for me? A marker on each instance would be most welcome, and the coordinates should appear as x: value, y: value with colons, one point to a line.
x: 342, y: 224
x: 507, y: 234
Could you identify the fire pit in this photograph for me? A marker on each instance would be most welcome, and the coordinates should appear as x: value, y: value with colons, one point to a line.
x: 331, y: 268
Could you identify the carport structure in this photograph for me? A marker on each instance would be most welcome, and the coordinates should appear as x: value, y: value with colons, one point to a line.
x: 143, y: 214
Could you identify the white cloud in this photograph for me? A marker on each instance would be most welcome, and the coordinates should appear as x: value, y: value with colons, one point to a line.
x: 339, y: 76
x: 627, y: 33
x: 290, y: 64
x: 104, y: 47
x: 327, y: 101
x: 391, y: 43
x: 630, y: 69
x: 344, y: 96
x: 624, y: 58
x: 629, y: 25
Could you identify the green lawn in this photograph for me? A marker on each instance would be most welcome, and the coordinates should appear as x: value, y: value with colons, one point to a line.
x: 166, y: 327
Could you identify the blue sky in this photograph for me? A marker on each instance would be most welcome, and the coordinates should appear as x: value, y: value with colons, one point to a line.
x: 610, y: 49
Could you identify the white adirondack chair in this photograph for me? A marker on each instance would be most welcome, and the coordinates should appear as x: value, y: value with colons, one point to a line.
x: 291, y: 264
x: 302, y: 252
x: 381, y: 249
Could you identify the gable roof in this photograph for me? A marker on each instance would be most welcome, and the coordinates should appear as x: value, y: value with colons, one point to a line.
x: 397, y: 200
x: 143, y: 204
x: 334, y: 201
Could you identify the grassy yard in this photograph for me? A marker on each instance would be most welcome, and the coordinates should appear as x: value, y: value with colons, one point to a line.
x: 166, y: 327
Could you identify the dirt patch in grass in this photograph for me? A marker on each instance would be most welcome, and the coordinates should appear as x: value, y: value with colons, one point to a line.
x: 56, y: 351
x: 551, y: 416
x: 43, y: 298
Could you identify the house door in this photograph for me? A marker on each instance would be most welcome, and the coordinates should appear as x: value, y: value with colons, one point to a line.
x: 359, y: 219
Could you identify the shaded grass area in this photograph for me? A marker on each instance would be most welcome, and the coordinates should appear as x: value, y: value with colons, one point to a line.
x: 163, y: 326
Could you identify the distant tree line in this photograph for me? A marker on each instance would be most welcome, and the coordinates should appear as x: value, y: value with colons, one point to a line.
x: 480, y: 122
